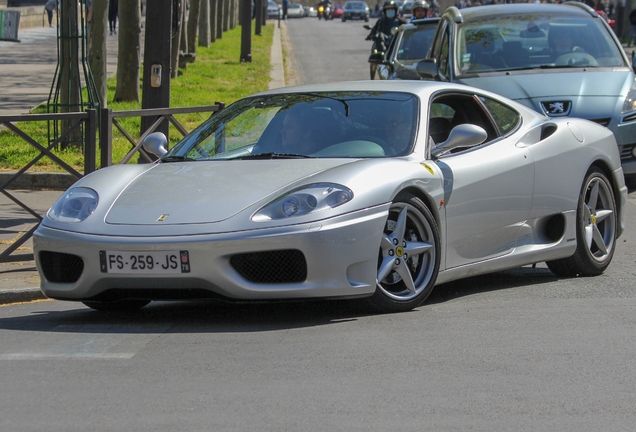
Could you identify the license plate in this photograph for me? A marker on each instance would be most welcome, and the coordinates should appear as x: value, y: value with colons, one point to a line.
x: 154, y: 262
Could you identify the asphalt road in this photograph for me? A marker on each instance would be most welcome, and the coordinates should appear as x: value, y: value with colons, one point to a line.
x: 516, y: 351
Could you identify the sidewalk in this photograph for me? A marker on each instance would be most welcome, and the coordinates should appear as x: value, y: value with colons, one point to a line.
x: 27, y: 70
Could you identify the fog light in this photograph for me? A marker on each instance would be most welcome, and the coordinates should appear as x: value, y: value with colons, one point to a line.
x: 634, y: 151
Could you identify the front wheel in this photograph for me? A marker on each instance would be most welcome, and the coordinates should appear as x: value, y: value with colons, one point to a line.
x: 595, y: 229
x: 408, y: 259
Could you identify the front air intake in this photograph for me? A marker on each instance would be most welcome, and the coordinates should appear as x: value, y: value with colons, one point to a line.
x: 61, y: 267
x: 281, y: 266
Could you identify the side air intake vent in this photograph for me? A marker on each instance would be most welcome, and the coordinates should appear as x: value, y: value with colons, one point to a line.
x: 548, y: 130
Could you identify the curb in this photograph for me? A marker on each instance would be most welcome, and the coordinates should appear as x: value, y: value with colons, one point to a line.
x: 38, y: 180
x: 20, y: 295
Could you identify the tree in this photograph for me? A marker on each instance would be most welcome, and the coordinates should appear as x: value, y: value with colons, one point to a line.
x: 97, y: 49
x: 193, y: 25
x: 204, y: 23
x: 177, y: 38
x: 129, y: 54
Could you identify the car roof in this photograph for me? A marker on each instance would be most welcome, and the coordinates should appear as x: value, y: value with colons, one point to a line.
x: 420, y: 22
x: 421, y: 88
x: 478, y: 13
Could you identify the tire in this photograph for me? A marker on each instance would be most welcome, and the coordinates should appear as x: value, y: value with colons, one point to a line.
x: 408, y: 259
x: 117, y: 306
x: 596, y: 223
x: 344, y: 19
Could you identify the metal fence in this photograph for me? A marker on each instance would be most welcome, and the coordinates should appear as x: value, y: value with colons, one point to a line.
x: 90, y: 123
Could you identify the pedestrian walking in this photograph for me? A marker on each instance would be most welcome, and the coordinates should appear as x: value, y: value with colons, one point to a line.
x: 632, y: 28
x: 50, y: 7
x: 113, y: 11
x: 285, y: 6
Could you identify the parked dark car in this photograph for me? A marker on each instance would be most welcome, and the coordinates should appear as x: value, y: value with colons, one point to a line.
x: 355, y: 10
x: 517, y: 50
x: 409, y: 46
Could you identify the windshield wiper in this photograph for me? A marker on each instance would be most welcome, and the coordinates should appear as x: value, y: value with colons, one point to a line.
x: 553, y: 66
x: 176, y: 159
x: 272, y: 155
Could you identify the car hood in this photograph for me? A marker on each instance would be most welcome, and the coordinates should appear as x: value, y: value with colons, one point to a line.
x: 532, y: 89
x: 206, y: 192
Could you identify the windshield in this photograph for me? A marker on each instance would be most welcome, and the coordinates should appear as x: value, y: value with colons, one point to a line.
x: 534, y: 41
x: 322, y: 125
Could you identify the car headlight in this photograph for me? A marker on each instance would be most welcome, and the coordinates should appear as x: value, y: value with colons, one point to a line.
x: 308, y: 199
x: 630, y: 100
x: 74, y: 206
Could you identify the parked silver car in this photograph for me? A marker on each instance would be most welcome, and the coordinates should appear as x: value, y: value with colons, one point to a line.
x: 561, y: 60
x: 273, y: 9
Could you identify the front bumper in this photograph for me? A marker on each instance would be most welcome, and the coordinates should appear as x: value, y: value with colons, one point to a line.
x: 341, y: 257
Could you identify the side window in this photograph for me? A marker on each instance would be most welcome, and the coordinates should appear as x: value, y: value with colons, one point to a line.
x: 452, y: 109
x: 442, y: 61
x: 504, y: 117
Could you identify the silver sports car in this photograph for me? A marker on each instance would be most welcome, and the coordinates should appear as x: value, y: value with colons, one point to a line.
x: 376, y: 190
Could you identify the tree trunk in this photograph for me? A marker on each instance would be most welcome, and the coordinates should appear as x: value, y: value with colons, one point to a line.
x: 213, y: 11
x: 97, y: 49
x: 204, y: 23
x: 193, y: 25
x: 183, y: 41
x: 129, y: 51
x: 220, y: 10
x: 176, y: 41
x: 227, y: 12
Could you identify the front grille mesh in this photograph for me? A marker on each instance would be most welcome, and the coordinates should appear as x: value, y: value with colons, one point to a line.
x: 61, y: 267
x: 281, y: 266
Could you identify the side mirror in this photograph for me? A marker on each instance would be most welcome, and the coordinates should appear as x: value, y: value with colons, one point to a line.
x: 367, y: 26
x: 463, y: 135
x: 634, y: 61
x: 427, y: 69
x: 156, y: 144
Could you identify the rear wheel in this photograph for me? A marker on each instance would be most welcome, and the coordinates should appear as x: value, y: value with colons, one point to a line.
x: 408, y: 260
x: 117, y: 306
x: 595, y: 229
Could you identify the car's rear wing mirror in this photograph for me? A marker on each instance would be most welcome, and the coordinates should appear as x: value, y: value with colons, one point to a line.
x: 156, y: 144
x: 427, y: 69
x: 463, y: 135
